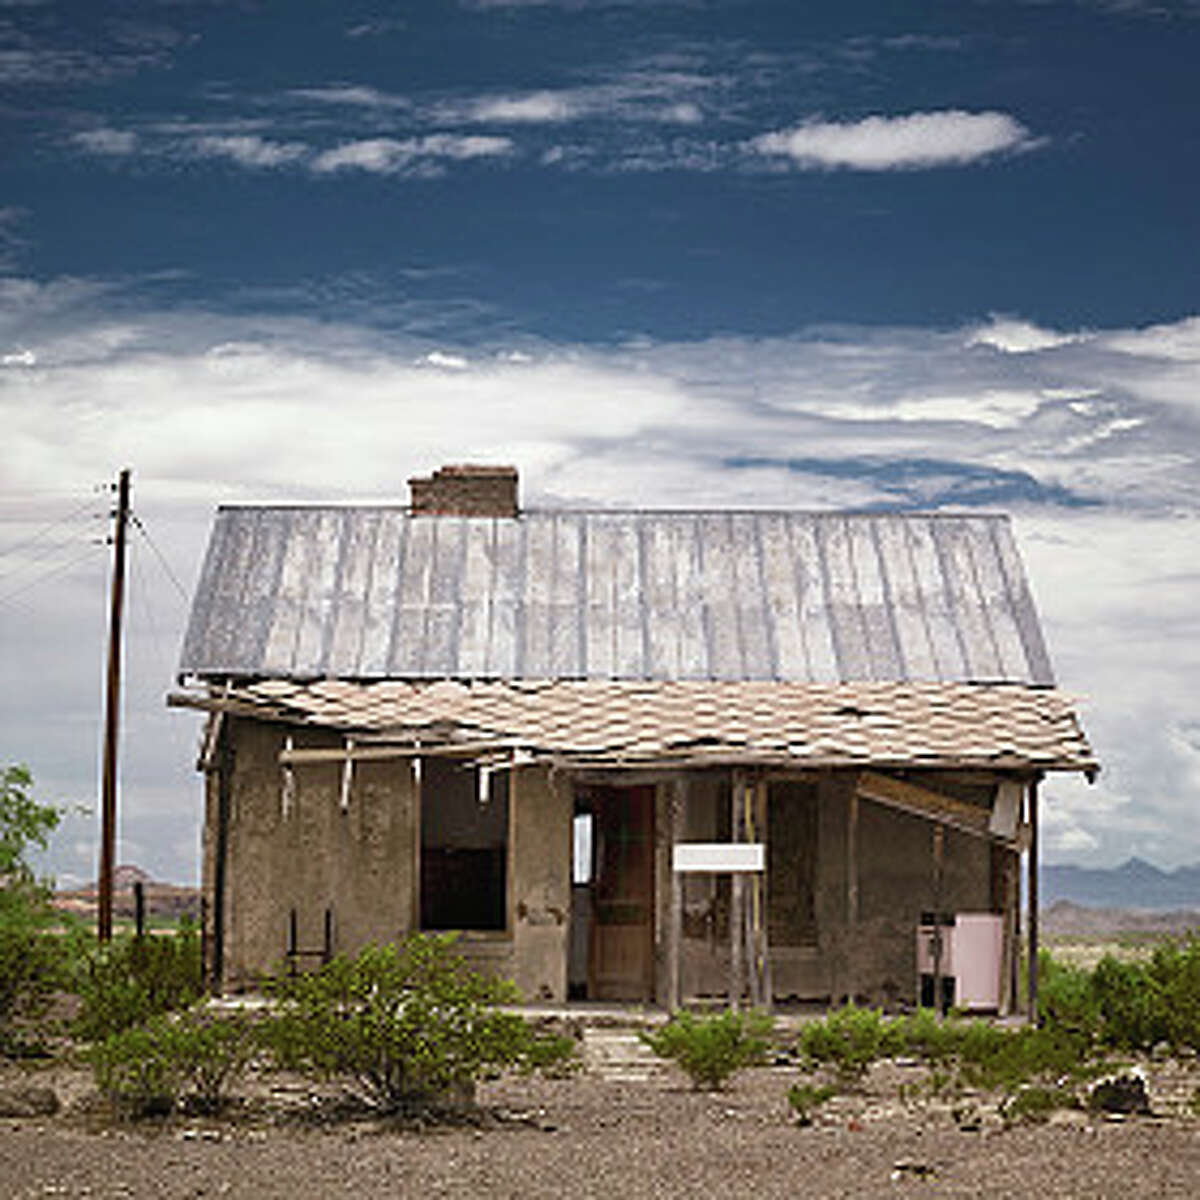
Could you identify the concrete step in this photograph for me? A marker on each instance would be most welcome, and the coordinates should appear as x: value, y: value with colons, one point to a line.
x: 619, y: 1055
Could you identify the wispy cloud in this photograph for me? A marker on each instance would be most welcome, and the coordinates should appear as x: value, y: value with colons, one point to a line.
x: 250, y: 151
x: 117, y: 142
x: 354, y: 95
x: 950, y: 137
x: 11, y: 242
x: 387, y: 156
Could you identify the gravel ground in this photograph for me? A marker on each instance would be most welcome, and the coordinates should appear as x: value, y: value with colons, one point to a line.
x: 590, y: 1135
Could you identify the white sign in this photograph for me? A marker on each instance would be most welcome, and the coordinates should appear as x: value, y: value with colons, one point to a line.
x: 724, y: 857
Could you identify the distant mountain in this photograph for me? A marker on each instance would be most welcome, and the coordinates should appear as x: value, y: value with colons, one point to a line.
x: 1134, y: 884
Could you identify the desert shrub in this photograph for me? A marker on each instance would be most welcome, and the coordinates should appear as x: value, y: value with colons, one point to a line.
x: 1035, y: 1103
x: 849, y: 1040
x: 132, y: 979
x: 1130, y: 1004
x: 1012, y: 1058
x: 1174, y: 975
x: 1066, y: 998
x: 804, y: 1098
x: 32, y: 960
x: 408, y: 1026
x: 213, y: 1053
x: 193, y: 1057
x: 711, y: 1048
x: 927, y: 1036
x: 140, y: 1070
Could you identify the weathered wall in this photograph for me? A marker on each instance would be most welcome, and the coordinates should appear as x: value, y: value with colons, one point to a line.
x: 540, y: 853
x: 362, y: 863
x: 358, y: 863
x: 870, y: 954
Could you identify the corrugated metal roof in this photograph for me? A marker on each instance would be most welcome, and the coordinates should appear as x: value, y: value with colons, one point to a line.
x: 375, y: 593
x: 697, y: 722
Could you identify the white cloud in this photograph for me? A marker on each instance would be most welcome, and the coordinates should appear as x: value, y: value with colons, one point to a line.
x: 922, y: 139
x: 1018, y: 337
x: 1179, y: 341
x: 211, y: 409
x: 116, y: 142
x: 534, y: 107
x: 250, y: 150
x: 439, y: 358
x: 387, y: 156
x: 354, y: 95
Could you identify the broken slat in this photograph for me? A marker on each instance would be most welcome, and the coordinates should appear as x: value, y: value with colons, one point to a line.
x: 921, y: 802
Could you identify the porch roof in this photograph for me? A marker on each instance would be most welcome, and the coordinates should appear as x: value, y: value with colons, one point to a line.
x: 690, y: 722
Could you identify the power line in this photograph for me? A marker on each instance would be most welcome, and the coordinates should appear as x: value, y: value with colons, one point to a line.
x: 166, y: 566
x: 59, y: 569
x: 48, y: 528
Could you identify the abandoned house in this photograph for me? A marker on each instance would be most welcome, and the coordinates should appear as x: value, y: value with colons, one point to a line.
x: 631, y: 755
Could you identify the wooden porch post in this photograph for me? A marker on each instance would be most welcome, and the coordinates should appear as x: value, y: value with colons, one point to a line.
x: 678, y: 803
x: 850, y: 979
x: 1033, y: 900
x: 737, y: 898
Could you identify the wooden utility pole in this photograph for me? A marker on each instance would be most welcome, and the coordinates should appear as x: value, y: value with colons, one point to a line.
x: 112, y: 713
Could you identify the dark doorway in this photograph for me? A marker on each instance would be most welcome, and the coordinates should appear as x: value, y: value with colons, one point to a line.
x: 619, y: 903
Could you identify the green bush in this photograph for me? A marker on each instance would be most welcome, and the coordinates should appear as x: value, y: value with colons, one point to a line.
x: 192, y: 1057
x: 409, y: 1026
x: 132, y: 979
x: 710, y: 1049
x: 850, y: 1039
x: 1067, y: 999
x: 805, y: 1098
x: 140, y: 1070
x: 1034, y: 1104
x: 32, y: 962
x: 927, y: 1036
x: 1174, y: 973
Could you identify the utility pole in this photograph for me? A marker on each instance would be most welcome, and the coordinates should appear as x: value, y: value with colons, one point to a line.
x: 112, y: 714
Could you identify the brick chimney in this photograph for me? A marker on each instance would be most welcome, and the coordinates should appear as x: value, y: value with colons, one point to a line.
x: 465, y: 490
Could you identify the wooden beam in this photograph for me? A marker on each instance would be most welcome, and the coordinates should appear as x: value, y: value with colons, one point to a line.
x: 677, y: 806
x: 353, y: 751
x: 763, y: 883
x: 921, y: 802
x: 1033, y: 902
x: 737, y: 897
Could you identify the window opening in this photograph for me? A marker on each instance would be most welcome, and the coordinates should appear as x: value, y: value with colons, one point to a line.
x: 464, y: 846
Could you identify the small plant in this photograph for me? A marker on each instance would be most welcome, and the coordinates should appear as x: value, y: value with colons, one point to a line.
x: 213, y: 1053
x: 805, y: 1098
x: 710, y: 1049
x: 191, y: 1057
x: 1035, y: 1103
x: 410, y: 1026
x: 927, y: 1036
x: 32, y: 962
x: 132, y: 979
x: 850, y: 1040
x: 140, y: 1070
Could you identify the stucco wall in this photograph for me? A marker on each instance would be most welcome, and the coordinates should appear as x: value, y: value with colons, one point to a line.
x: 359, y: 863
x: 362, y: 863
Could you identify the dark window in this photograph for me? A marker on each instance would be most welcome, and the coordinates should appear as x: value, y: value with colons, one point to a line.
x: 791, y: 863
x: 464, y: 846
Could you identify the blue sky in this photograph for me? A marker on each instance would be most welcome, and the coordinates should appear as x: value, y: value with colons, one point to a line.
x: 698, y: 252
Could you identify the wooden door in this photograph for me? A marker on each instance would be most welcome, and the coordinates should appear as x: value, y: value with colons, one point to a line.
x: 621, y: 943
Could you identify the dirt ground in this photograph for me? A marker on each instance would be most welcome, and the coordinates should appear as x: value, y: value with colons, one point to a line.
x: 644, y: 1135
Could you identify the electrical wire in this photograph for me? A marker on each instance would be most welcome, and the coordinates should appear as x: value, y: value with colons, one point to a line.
x: 33, y: 537
x: 166, y: 566
x: 58, y: 569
